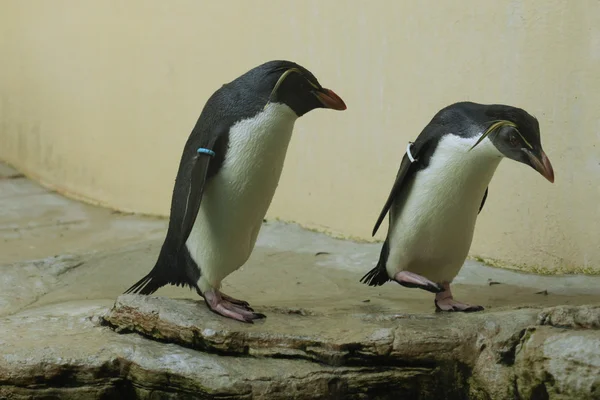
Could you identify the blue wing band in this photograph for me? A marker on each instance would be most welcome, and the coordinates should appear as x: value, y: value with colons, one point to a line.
x: 209, y: 152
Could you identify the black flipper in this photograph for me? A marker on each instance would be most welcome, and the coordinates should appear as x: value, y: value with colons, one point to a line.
x: 484, y: 198
x: 420, y: 151
x: 406, y: 166
x: 174, y: 265
x: 378, y: 275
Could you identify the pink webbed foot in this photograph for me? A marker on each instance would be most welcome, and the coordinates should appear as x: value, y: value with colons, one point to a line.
x: 445, y: 302
x: 412, y: 280
x: 229, y: 307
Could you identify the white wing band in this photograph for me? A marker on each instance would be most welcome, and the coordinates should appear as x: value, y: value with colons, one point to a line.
x: 408, y: 153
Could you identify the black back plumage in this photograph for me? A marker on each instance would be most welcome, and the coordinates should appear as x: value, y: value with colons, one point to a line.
x: 464, y: 119
x: 240, y: 99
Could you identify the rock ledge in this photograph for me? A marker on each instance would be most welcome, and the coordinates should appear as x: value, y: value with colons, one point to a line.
x: 177, y: 349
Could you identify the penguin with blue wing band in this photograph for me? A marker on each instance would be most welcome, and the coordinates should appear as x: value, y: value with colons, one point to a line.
x: 228, y: 173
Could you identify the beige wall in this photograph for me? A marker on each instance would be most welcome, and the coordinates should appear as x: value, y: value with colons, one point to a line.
x: 98, y: 97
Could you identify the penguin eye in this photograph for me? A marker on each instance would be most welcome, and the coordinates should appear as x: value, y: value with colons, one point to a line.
x: 512, y: 140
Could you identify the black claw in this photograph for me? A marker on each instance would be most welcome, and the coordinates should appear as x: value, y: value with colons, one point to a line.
x: 474, y: 309
x: 254, y: 316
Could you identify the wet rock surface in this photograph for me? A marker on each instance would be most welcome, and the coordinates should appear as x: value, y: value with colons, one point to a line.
x: 81, y: 359
x: 67, y: 333
x: 332, y: 339
x: 571, y: 317
x: 558, y: 364
x: 153, y: 347
x: 503, y: 355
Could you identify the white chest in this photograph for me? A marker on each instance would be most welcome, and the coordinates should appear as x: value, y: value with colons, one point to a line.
x: 251, y: 171
x: 433, y: 222
x: 237, y: 198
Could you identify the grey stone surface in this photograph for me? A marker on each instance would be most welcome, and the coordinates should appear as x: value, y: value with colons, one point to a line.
x: 559, y: 364
x: 333, y: 339
x: 184, y: 351
x: 571, y: 317
x: 505, y: 354
x: 36, y: 223
x: 79, y: 359
x: 23, y: 283
x: 66, y: 333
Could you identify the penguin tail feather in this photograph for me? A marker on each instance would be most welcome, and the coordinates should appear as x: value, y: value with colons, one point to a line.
x: 375, y: 277
x: 173, y: 269
x: 378, y: 275
x: 147, y: 285
x: 154, y: 280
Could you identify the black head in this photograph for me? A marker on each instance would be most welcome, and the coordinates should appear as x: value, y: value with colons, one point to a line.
x: 298, y: 88
x: 516, y: 134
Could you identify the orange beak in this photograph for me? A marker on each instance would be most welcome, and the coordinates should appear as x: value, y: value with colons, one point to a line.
x: 330, y: 99
x: 541, y: 165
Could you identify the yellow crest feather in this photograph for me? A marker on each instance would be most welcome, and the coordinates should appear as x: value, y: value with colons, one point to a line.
x: 285, y: 75
x: 495, y: 126
x: 282, y: 78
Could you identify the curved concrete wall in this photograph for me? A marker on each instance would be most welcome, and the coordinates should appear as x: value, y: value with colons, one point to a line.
x: 97, y: 99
